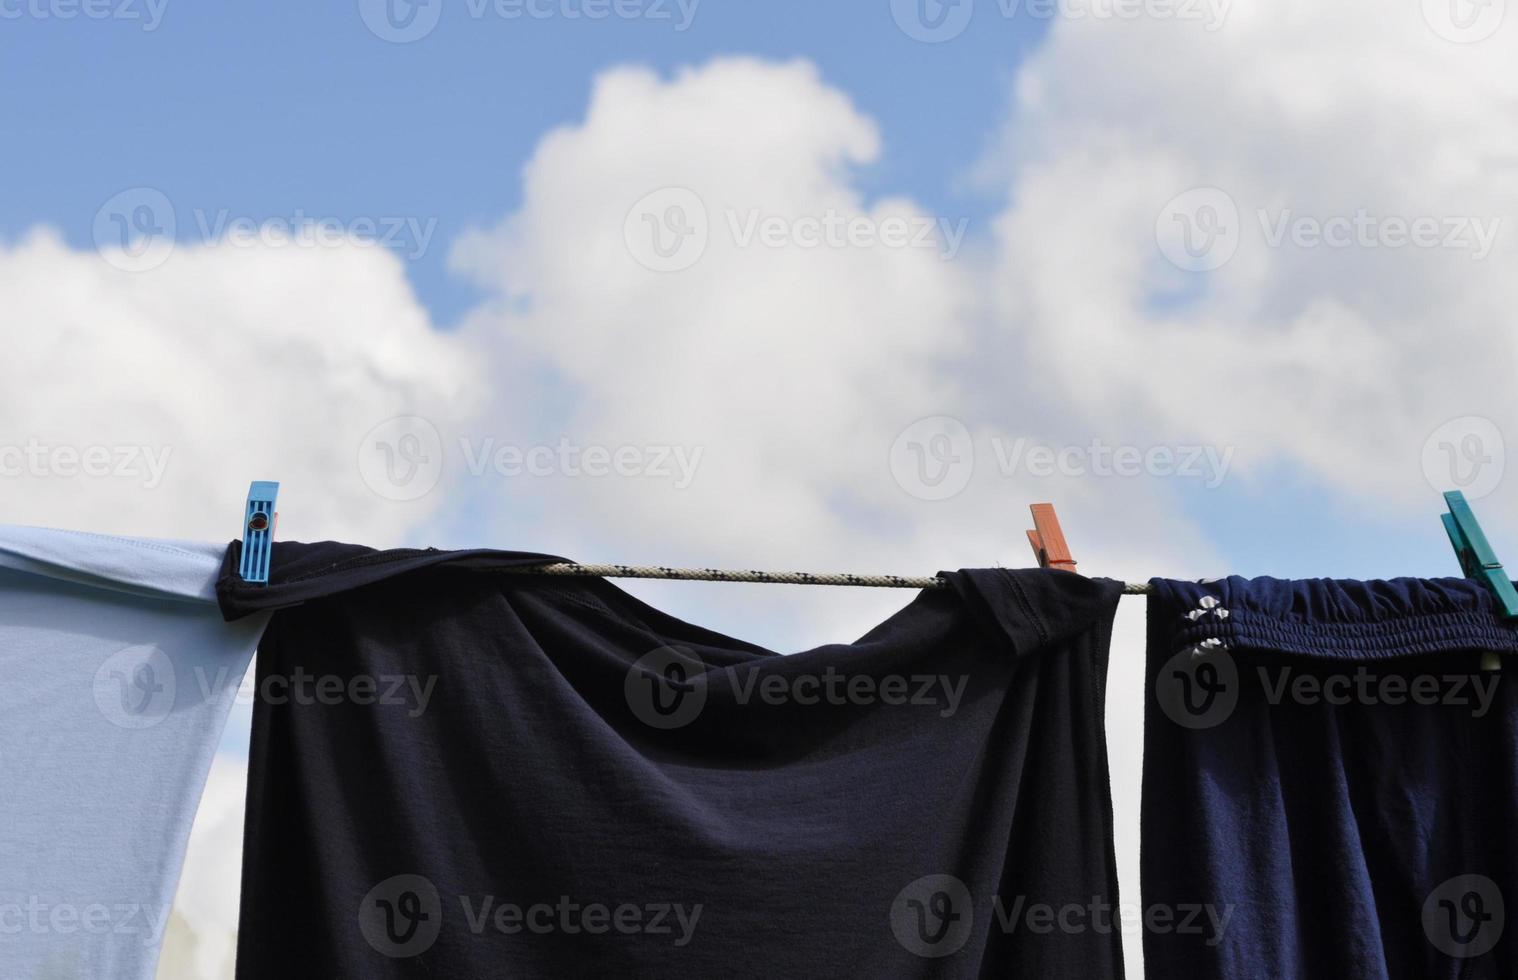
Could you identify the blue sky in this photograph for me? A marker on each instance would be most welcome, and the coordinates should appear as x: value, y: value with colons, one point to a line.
x: 285, y: 108
x: 1329, y: 370
x: 268, y: 108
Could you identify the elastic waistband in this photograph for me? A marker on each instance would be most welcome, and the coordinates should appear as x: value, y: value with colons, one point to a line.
x: 1336, y: 619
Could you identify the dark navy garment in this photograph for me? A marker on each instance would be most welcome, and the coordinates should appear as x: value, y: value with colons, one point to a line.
x: 1330, y: 782
x: 566, y: 782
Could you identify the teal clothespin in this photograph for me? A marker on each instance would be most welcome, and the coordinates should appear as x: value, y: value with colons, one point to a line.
x: 258, y: 532
x: 1477, y: 560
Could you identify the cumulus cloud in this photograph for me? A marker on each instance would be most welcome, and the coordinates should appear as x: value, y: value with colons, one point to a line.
x: 782, y: 369
x: 695, y: 266
x: 143, y: 402
x: 1320, y: 125
x: 796, y: 367
x: 694, y: 276
x: 788, y: 366
x: 697, y: 294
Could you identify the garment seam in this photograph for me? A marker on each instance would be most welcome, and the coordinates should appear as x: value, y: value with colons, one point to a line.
x: 1028, y: 608
x: 130, y: 542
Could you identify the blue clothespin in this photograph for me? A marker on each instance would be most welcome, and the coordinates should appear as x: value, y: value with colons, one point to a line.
x: 1477, y: 560
x: 258, y: 532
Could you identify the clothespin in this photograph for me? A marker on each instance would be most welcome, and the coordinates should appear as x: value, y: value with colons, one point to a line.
x: 1478, y: 561
x: 1048, y: 540
x: 258, y: 532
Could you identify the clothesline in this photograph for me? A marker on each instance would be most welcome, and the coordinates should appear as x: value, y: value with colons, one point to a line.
x: 1047, y: 539
x: 750, y: 575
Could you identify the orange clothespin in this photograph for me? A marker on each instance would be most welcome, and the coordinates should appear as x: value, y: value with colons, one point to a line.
x: 1048, y: 540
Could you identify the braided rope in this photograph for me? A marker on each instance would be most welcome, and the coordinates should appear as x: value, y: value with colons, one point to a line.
x: 749, y: 575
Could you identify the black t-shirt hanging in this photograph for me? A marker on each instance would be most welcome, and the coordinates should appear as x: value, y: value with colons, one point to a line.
x: 458, y: 773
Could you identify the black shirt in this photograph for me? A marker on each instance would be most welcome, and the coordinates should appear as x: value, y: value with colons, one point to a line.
x: 460, y: 773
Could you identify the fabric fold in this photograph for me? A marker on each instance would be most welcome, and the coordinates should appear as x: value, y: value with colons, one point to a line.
x: 299, y: 571
x: 144, y: 566
x: 119, y: 675
x: 567, y: 781
x: 1330, y: 781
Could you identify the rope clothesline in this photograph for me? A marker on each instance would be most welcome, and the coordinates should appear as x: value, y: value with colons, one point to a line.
x: 749, y: 575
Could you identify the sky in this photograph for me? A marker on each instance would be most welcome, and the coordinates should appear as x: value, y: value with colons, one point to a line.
x: 848, y: 286
x: 267, y: 110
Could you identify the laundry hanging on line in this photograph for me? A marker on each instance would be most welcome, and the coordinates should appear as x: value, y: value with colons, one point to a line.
x: 1331, y: 775
x: 598, y: 788
x: 118, y: 676
x: 1326, y: 817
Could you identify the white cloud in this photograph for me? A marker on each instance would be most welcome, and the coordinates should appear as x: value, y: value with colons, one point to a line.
x: 222, y: 365
x: 789, y: 368
x: 1340, y: 360
x: 776, y: 373
x: 792, y: 368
